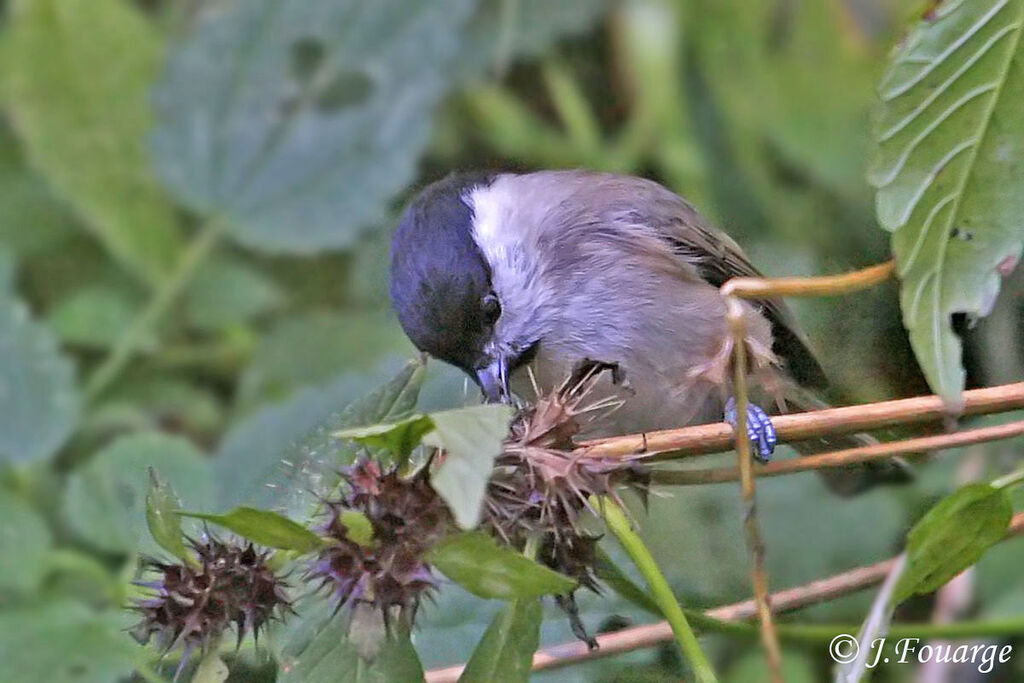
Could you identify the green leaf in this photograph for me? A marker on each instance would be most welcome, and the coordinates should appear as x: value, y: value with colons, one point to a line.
x: 476, y: 562
x: 104, y: 503
x: 299, y: 121
x: 228, y: 292
x: 316, y: 648
x: 398, y: 438
x: 304, y: 348
x: 7, y: 268
x: 84, y: 121
x: 264, y: 527
x: 948, y: 173
x: 32, y: 220
x: 155, y: 400
x: 96, y: 317
x: 299, y: 431
x: 164, y: 525
x: 501, y: 31
x: 358, y: 527
x: 505, y: 652
x: 38, y: 402
x: 472, y: 438
x: 952, y: 536
x: 25, y: 541
x: 64, y: 642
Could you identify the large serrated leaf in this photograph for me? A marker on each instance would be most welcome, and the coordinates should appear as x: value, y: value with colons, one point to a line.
x: 38, y: 401
x: 948, y: 172
x: 76, y: 75
x: 299, y: 120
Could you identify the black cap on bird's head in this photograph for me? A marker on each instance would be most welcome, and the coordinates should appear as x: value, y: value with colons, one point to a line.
x: 441, y: 283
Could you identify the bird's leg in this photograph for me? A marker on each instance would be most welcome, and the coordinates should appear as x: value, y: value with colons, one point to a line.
x: 760, y: 429
x: 717, y: 371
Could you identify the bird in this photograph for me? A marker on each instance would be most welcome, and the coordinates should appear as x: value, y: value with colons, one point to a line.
x: 517, y: 279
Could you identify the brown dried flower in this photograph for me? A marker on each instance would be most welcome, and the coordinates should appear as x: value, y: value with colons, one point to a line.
x: 195, y: 603
x: 390, y: 572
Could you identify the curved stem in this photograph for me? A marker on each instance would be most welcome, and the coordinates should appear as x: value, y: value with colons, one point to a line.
x: 822, y: 285
x: 634, y: 546
x: 198, y: 249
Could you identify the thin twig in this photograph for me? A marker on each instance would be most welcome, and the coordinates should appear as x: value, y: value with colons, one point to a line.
x: 843, y: 458
x: 815, y: 592
x: 717, y: 437
x: 745, y: 463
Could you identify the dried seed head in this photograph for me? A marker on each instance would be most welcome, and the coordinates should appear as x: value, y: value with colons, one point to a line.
x: 540, y: 486
x: 195, y: 603
x: 389, y: 573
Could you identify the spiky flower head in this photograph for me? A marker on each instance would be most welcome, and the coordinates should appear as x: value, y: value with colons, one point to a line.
x: 227, y: 584
x: 543, y: 486
x: 388, y: 572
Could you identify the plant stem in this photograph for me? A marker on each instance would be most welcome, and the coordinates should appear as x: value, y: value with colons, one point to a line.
x: 745, y: 464
x: 634, y: 546
x: 198, y: 249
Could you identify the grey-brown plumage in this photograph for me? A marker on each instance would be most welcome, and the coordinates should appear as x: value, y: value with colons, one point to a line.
x: 608, y: 268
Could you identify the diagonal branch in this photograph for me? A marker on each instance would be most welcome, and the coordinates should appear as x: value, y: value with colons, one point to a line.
x: 717, y: 437
x: 843, y: 458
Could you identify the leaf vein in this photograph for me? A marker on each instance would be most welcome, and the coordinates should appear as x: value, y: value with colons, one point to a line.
x: 912, y: 146
x: 896, y: 128
x: 954, y: 46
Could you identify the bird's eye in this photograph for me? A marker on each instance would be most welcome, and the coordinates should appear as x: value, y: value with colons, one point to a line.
x: 491, y: 309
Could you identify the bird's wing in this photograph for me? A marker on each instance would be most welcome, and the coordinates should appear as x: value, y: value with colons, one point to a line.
x: 717, y: 258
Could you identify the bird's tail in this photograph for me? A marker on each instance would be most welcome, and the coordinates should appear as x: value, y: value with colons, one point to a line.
x: 852, y: 479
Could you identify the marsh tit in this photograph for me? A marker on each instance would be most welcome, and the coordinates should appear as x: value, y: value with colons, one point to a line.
x: 516, y: 279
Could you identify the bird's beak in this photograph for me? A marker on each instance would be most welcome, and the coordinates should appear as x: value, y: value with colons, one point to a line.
x: 493, y: 379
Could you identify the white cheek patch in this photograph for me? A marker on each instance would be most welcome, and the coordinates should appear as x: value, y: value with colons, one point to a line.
x: 493, y: 214
x: 505, y: 231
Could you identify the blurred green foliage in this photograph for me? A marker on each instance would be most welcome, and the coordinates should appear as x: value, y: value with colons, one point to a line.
x: 228, y: 172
